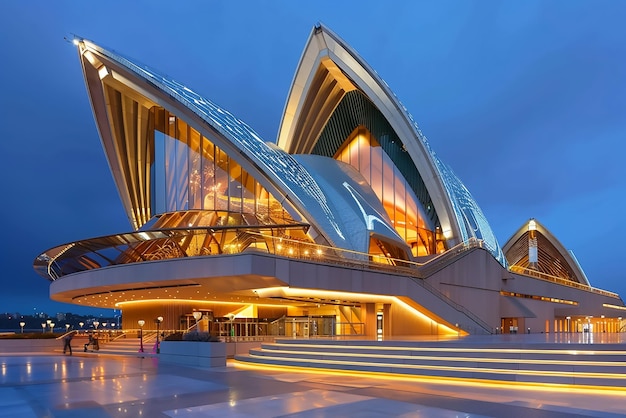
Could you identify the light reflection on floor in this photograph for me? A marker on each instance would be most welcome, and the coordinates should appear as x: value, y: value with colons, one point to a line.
x: 115, y: 386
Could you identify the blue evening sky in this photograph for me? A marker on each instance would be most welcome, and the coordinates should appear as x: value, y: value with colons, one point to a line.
x: 525, y: 100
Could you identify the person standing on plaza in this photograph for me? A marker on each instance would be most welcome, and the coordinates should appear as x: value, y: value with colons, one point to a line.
x: 67, y: 342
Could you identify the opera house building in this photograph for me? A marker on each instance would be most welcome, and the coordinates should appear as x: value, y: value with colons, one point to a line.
x: 345, y: 224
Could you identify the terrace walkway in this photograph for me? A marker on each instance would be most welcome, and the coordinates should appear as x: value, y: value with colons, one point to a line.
x: 51, y: 385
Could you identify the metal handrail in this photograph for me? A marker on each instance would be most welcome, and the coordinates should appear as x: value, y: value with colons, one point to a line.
x: 555, y: 279
x: 433, y: 290
x: 51, y: 266
x: 190, y: 328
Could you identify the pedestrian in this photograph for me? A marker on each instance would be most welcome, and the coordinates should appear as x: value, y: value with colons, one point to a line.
x: 67, y: 342
x: 90, y: 342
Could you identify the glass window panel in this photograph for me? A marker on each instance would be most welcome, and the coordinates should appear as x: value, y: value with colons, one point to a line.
x: 376, y: 173
x: 208, y: 175
x: 220, y: 190
x: 234, y: 185
x: 388, y: 182
x: 195, y: 170
x: 400, y: 202
x: 364, y: 156
x: 249, y: 186
x: 158, y: 170
x: 190, y: 172
x: 170, y: 173
x: 400, y: 205
x: 181, y: 176
x: 353, y: 148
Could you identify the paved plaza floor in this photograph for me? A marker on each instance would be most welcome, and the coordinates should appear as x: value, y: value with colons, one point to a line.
x: 91, y: 386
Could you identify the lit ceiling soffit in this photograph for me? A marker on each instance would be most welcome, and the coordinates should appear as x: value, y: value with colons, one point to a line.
x: 136, y: 289
x: 276, y: 170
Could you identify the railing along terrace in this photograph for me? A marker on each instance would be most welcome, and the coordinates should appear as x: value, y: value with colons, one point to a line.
x: 555, y: 279
x: 172, y: 243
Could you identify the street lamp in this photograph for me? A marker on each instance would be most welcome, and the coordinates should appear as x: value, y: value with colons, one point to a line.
x: 43, y: 327
x: 67, y: 327
x: 158, y: 321
x: 141, y: 323
x: 52, y: 327
x: 95, y: 324
x: 197, y: 315
x: 22, y: 325
x: 81, y: 324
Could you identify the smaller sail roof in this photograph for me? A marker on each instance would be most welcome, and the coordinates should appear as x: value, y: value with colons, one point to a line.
x: 552, y: 258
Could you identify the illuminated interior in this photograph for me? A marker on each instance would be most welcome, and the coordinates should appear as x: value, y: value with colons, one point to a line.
x: 178, y: 169
x: 190, y: 172
x: 364, y: 153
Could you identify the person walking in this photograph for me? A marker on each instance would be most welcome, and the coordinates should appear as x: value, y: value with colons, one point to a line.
x: 67, y: 342
x: 89, y: 342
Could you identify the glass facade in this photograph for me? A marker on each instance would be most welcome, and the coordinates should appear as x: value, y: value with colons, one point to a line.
x: 364, y: 153
x: 472, y: 221
x: 189, y: 172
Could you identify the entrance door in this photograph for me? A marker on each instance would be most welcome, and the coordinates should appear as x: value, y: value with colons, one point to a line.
x: 509, y: 325
x: 379, y: 326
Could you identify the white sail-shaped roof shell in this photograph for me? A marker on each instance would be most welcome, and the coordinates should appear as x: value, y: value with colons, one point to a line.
x: 298, y: 189
x: 459, y: 215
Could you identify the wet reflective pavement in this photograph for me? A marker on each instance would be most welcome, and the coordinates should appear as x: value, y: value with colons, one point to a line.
x: 116, y: 386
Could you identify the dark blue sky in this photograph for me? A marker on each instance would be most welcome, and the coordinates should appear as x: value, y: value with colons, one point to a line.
x: 526, y: 101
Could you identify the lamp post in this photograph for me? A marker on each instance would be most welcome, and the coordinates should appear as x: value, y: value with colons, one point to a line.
x: 22, y: 326
x: 81, y: 324
x: 52, y: 327
x: 197, y: 315
x: 67, y: 327
x: 158, y: 321
x: 569, y: 318
x: 141, y: 323
x: 95, y: 324
x: 43, y: 327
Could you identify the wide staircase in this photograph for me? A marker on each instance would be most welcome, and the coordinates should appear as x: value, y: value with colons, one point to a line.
x: 547, y: 363
x: 124, y: 345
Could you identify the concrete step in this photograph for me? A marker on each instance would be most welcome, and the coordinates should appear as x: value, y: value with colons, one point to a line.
x: 433, y: 360
x: 123, y: 346
x: 603, y: 365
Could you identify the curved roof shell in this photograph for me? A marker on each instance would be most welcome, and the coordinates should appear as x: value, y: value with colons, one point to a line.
x: 552, y: 257
x: 328, y: 71
x: 122, y: 128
